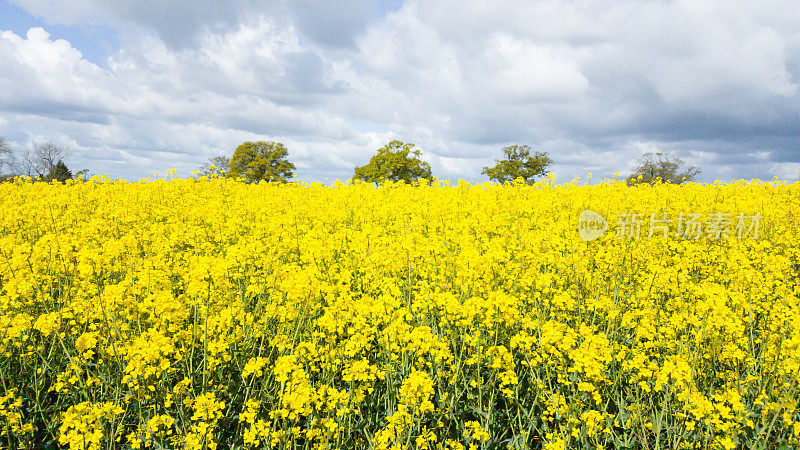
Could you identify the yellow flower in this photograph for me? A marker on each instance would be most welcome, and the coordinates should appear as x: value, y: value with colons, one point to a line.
x: 82, y: 425
x: 47, y: 323
x: 416, y: 392
x: 474, y: 430
x: 86, y: 343
x: 209, y: 312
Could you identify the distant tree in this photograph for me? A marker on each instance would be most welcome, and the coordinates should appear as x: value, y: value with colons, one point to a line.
x: 41, y: 160
x: 59, y: 173
x: 665, y: 166
x: 396, y: 161
x: 218, y: 165
x: 6, y: 157
x: 518, y: 163
x: 257, y: 161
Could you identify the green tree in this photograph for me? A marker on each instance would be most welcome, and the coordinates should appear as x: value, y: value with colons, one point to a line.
x: 59, y: 172
x: 256, y: 161
x: 518, y: 163
x: 218, y: 165
x: 665, y: 166
x: 396, y: 161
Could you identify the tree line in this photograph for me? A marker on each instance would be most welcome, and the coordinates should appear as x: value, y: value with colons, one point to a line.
x: 401, y: 161
x: 396, y: 161
x: 45, y: 161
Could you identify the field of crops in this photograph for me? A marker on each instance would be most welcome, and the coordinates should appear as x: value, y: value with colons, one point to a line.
x: 216, y: 314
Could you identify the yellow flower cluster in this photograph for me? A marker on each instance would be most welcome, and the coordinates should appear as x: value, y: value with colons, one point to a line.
x: 215, y: 314
x: 12, y: 419
x: 416, y: 392
x: 82, y: 425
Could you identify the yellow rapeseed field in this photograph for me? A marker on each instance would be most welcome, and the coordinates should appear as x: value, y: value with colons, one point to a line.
x: 199, y: 314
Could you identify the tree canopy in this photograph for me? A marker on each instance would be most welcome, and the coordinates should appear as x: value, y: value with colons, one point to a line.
x: 518, y: 163
x: 261, y: 161
x: 396, y: 161
x: 664, y: 166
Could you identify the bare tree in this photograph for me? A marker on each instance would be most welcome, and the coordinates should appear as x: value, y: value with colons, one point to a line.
x: 662, y: 166
x: 49, y: 154
x: 218, y: 165
x: 41, y: 160
x: 6, y: 157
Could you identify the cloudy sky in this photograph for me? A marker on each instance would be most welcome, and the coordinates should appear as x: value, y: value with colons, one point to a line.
x: 135, y: 87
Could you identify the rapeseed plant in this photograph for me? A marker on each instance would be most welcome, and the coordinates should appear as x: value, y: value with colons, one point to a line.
x: 215, y: 314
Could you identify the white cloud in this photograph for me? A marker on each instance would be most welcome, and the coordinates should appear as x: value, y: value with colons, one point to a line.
x: 520, y: 71
x: 593, y: 83
x: 42, y: 73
